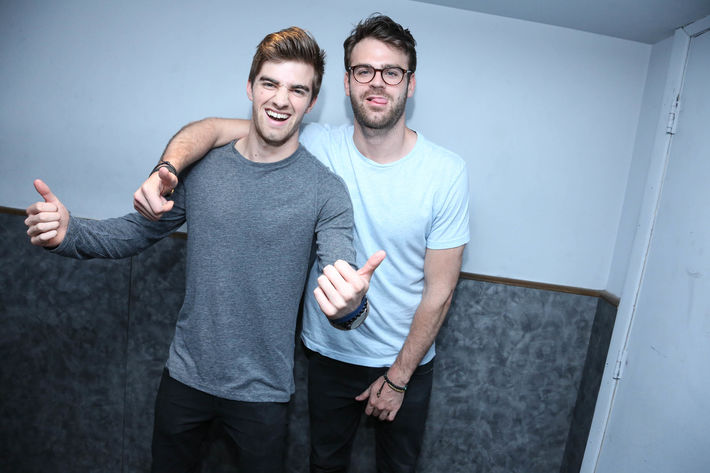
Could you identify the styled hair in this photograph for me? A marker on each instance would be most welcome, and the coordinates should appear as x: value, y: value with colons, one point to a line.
x: 385, y: 29
x: 290, y: 44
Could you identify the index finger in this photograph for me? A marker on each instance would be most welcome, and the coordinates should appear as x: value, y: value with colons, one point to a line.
x: 347, y: 272
x: 38, y: 207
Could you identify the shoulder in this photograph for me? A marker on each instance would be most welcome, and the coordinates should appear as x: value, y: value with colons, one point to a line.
x: 319, y: 133
x: 222, y: 152
x: 317, y: 170
x: 441, y: 154
x: 318, y: 177
x: 439, y: 160
x: 211, y: 161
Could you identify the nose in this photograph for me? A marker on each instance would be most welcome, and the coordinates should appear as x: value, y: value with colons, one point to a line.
x: 281, y: 97
x: 377, y: 80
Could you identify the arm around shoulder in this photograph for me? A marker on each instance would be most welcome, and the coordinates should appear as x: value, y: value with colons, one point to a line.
x: 188, y: 146
x: 195, y: 139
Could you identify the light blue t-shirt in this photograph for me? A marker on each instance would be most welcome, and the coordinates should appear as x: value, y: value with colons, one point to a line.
x: 405, y: 207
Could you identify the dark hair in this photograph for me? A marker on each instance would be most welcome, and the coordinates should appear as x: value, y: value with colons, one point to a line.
x: 385, y: 29
x: 291, y: 44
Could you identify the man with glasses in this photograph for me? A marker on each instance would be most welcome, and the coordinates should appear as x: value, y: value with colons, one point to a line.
x: 410, y: 197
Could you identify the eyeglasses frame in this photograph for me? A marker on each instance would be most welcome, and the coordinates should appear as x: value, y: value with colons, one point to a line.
x: 405, y: 72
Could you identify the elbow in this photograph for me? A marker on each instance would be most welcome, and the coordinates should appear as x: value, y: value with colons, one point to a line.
x: 440, y: 299
x: 447, y: 301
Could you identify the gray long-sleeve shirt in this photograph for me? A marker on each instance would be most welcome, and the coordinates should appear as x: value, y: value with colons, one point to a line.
x: 251, y: 228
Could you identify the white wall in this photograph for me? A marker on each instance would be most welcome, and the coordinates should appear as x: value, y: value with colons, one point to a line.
x: 651, y: 129
x: 545, y: 116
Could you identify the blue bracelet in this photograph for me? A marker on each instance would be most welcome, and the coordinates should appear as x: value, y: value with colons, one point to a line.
x: 351, y: 315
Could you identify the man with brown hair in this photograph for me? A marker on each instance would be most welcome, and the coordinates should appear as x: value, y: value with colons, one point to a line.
x: 254, y: 209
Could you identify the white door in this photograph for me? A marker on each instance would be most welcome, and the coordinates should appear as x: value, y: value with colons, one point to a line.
x: 660, y: 420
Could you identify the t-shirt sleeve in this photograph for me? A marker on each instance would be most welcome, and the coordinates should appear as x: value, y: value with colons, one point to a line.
x: 334, y: 227
x: 450, y: 225
x: 119, y: 237
x: 312, y: 134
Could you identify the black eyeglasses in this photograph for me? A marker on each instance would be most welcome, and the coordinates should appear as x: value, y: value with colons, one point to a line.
x: 365, y: 73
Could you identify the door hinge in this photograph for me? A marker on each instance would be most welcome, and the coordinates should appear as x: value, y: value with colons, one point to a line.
x: 673, y: 116
x: 619, y: 365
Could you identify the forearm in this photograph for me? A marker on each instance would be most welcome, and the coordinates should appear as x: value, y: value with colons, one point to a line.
x: 428, y: 319
x: 112, y: 238
x: 441, y: 273
x: 189, y: 144
x: 194, y: 140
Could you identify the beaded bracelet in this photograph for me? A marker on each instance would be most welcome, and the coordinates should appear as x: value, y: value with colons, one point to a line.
x: 394, y: 387
x: 170, y: 167
x: 164, y: 164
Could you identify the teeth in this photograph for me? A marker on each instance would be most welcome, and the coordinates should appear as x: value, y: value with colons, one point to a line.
x: 278, y: 116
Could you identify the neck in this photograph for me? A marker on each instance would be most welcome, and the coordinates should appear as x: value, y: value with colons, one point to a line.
x: 384, y: 145
x: 255, y: 148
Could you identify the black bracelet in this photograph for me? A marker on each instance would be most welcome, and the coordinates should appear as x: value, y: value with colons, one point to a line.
x: 394, y: 387
x: 164, y: 164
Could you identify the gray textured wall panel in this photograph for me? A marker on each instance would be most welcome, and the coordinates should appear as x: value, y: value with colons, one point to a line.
x: 509, y: 362
x: 84, y: 344
x: 62, y: 347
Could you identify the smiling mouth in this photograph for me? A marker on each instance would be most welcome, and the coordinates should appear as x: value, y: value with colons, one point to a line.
x: 277, y: 116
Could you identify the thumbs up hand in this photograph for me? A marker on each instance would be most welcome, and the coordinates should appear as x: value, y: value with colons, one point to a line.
x: 47, y: 221
x: 341, y: 288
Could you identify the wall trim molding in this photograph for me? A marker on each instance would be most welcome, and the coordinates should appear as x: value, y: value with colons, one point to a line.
x: 607, y: 296
x: 602, y: 294
x: 11, y: 211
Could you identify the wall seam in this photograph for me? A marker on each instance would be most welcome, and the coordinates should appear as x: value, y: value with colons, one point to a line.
x: 125, y: 364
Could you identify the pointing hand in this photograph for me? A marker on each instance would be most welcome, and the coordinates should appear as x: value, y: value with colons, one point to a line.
x: 149, y: 200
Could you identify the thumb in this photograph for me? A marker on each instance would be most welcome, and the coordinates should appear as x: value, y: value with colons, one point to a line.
x: 363, y: 395
x: 371, y: 265
x: 45, y: 191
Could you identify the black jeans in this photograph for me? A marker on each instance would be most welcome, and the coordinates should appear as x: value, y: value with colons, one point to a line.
x: 335, y: 416
x: 182, y: 419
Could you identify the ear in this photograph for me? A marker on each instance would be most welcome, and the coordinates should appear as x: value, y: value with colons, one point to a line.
x: 347, y: 84
x: 250, y: 92
x: 313, y: 104
x: 411, y: 85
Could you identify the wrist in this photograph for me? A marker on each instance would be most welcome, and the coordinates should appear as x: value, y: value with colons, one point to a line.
x: 400, y: 388
x: 164, y: 164
x: 398, y: 375
x: 354, y: 319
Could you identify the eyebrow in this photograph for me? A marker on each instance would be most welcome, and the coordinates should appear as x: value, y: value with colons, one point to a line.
x: 292, y: 87
x: 384, y: 66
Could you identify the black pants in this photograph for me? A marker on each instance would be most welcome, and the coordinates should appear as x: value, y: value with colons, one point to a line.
x: 335, y: 416
x: 182, y: 419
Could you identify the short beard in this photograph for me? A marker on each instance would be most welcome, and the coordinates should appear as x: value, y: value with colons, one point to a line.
x: 275, y: 143
x: 385, y: 122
